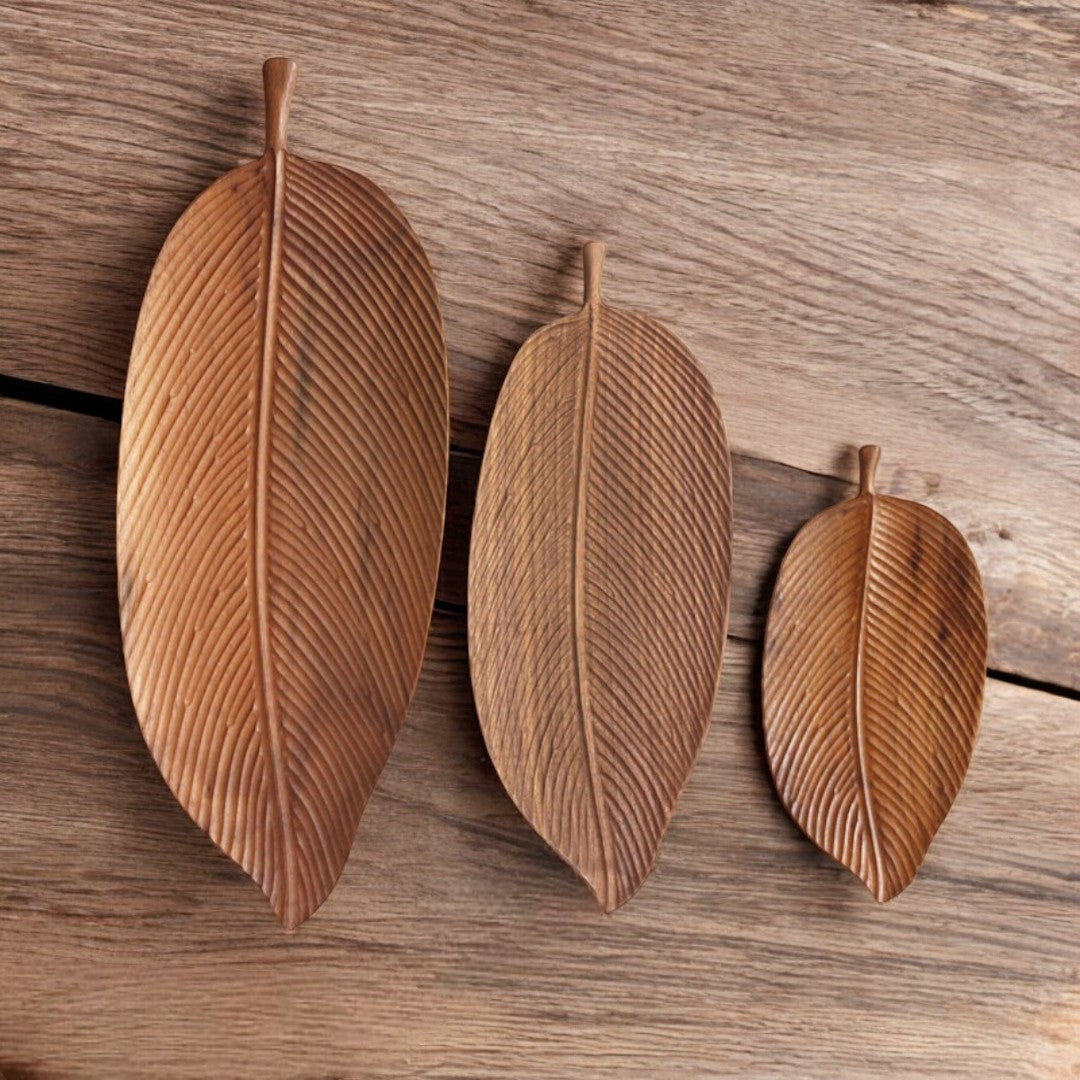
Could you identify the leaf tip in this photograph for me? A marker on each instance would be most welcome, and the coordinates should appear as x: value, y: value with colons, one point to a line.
x: 291, y: 909
x: 610, y: 900
x: 289, y: 920
x: 884, y: 889
x: 612, y: 893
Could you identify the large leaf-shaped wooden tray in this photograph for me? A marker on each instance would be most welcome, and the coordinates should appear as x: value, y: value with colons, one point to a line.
x: 281, y: 494
x: 598, y: 583
x: 875, y: 658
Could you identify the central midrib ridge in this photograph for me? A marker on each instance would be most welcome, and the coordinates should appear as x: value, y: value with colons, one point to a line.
x: 266, y: 701
x: 857, y: 719
x: 587, y: 397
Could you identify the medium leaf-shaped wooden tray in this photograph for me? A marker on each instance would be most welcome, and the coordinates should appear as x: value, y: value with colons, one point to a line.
x: 598, y: 584
x: 875, y: 659
x: 281, y: 494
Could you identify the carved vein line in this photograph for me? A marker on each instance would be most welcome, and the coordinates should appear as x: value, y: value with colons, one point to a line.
x: 587, y: 396
x: 266, y: 702
x: 857, y: 711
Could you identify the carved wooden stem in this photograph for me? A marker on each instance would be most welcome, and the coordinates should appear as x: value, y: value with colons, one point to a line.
x: 592, y: 255
x: 868, y: 459
x: 279, y: 78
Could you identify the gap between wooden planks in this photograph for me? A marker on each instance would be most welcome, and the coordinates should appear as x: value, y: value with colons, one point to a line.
x: 456, y: 944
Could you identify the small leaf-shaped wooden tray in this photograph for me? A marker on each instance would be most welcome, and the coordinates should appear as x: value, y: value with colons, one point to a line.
x: 281, y: 493
x: 598, y: 583
x: 875, y: 659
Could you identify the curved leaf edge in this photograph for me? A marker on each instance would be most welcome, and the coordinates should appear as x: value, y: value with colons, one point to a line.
x: 885, y: 894
x: 596, y: 888
x: 289, y: 923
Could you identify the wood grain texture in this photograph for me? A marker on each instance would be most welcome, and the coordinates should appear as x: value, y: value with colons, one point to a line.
x: 866, y: 213
x: 127, y: 943
x: 280, y: 506
x: 873, y: 673
x: 599, y: 578
x: 879, y: 202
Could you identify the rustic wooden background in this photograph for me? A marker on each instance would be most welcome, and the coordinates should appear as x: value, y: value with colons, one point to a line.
x: 864, y: 219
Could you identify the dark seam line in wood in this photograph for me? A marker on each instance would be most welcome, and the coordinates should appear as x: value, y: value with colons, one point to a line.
x: 52, y: 396
x: 466, y: 452
x: 449, y: 607
x: 1034, y: 684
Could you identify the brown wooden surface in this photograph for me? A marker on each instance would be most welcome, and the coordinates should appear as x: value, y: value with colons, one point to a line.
x: 280, y: 500
x: 873, y: 668
x: 599, y: 583
x: 455, y: 943
x: 863, y: 219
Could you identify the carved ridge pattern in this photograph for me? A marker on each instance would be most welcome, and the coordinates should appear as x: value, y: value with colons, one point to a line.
x: 602, y: 530
x: 872, y: 680
x: 265, y: 703
x: 284, y: 451
x: 583, y: 447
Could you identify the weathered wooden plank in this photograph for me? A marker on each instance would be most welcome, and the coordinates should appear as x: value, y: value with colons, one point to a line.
x: 455, y: 945
x: 771, y: 502
x: 880, y: 184
x: 862, y: 218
